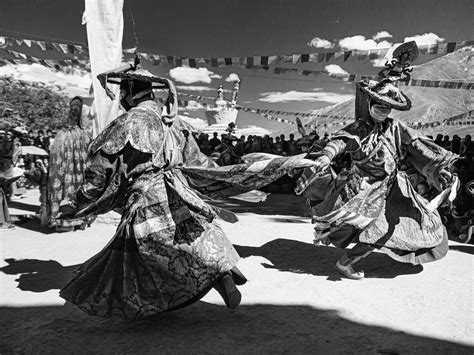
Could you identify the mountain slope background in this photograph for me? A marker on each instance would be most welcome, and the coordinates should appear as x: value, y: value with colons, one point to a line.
x: 429, y: 104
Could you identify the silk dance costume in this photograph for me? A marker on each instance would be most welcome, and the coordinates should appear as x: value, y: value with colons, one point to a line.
x: 168, y: 251
x: 374, y: 204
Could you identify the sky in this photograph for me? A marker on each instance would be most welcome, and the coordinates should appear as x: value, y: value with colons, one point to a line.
x: 225, y: 28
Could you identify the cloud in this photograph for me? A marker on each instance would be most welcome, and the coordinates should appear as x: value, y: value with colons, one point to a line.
x: 197, y: 123
x: 384, y: 44
x: 192, y: 106
x: 198, y: 88
x: 359, y: 42
x: 232, y: 77
x: 70, y: 84
x: 37, y: 72
x: 334, y: 69
x: 426, y: 38
x: 379, y: 62
x: 193, y: 75
x: 381, y: 34
x: 195, y: 88
x: 293, y: 95
x: 254, y: 131
x: 320, y: 43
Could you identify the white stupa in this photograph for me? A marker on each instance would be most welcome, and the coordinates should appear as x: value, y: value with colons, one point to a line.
x: 218, y: 118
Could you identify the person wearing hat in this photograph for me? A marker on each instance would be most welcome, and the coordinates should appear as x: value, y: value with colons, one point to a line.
x: 168, y: 251
x: 373, y: 204
x: 66, y: 166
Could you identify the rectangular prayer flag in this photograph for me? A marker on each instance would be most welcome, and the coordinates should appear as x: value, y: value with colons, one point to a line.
x: 249, y: 63
x: 313, y: 57
x: 329, y: 56
x: 347, y: 55
x: 451, y: 47
x: 41, y: 44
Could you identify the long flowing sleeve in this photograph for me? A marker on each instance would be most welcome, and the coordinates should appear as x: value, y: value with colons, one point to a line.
x: 101, y: 183
x: 425, y: 155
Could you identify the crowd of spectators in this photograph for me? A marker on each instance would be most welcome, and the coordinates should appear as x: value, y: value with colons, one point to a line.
x: 228, y: 149
x: 458, y: 218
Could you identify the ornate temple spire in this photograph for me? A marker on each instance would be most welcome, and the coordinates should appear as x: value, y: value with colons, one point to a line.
x: 235, y: 92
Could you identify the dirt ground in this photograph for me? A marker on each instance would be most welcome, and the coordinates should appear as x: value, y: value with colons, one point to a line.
x: 294, y: 302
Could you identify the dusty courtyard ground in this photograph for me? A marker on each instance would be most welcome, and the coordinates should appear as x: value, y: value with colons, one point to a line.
x: 294, y: 301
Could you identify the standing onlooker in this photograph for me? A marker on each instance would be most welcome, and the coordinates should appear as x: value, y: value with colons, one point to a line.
x: 67, y: 162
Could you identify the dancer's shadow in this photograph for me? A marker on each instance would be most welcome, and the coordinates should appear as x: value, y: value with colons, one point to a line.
x: 34, y: 224
x: 298, y: 257
x: 39, y: 275
x: 23, y: 206
x: 463, y: 248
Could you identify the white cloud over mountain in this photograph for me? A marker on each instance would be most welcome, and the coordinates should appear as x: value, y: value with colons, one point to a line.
x: 320, y: 43
x: 232, y: 77
x: 197, y: 123
x: 194, y: 88
x: 359, y: 42
x: 426, y: 38
x: 71, y: 84
x: 193, y: 75
x: 334, y: 69
x: 293, y: 95
x: 381, y: 35
x: 254, y: 131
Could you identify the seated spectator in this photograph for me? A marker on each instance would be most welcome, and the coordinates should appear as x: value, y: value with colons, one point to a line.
x: 278, y: 146
x: 467, y: 148
x: 267, y: 145
x: 31, y: 138
x: 257, y: 144
x: 224, y: 153
x: 249, y: 144
x: 39, y: 140
x: 240, y: 146
x: 446, y: 143
x: 214, y: 141
x: 439, y: 140
x: 291, y: 146
x: 456, y: 144
x: 284, y: 143
x: 205, y: 145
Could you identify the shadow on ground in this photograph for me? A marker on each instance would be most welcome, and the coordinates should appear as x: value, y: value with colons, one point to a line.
x: 207, y: 328
x: 39, y: 275
x: 469, y: 249
x: 202, y: 327
x: 275, y: 204
x: 33, y: 224
x: 299, y: 257
x: 23, y: 206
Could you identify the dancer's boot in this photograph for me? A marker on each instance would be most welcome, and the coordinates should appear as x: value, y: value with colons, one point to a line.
x: 228, y: 291
x: 345, y: 267
x: 238, y: 277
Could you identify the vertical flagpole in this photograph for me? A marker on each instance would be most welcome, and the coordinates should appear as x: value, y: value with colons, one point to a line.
x: 104, y: 21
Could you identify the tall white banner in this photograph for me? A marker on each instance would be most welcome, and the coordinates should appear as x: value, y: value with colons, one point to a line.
x: 104, y: 21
